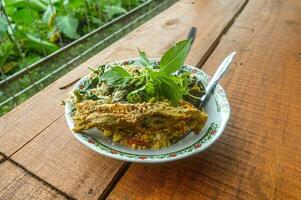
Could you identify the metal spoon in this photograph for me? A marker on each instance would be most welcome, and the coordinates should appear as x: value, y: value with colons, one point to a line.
x: 211, y: 85
x: 214, y: 81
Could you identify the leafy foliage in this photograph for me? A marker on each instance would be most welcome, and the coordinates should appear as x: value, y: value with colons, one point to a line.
x: 143, y: 59
x: 68, y: 25
x: 3, y: 26
x: 25, y: 16
x: 113, y: 11
x: 37, y: 23
x: 116, y: 76
x: 37, y: 44
x: 174, y: 58
x: 4, y: 52
x: 153, y: 84
x: 34, y: 4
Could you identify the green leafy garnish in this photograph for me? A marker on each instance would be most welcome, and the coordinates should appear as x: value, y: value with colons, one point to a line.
x: 116, y: 76
x: 151, y: 84
x: 135, y: 96
x: 170, y: 89
x: 143, y: 59
x: 175, y: 57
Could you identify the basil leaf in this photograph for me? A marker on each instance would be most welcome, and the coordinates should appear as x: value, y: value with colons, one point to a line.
x: 182, y: 81
x: 170, y: 90
x: 143, y: 59
x: 175, y: 57
x: 116, y: 76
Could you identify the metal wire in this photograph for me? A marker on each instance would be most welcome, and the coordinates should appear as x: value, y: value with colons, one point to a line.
x: 52, y: 55
x: 12, y: 95
x: 84, y: 53
x: 14, y: 40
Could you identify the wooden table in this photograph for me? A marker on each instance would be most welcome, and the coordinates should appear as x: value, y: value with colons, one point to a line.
x: 257, y: 157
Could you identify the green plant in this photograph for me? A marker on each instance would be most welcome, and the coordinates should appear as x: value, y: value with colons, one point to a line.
x: 40, y: 27
x: 155, y: 82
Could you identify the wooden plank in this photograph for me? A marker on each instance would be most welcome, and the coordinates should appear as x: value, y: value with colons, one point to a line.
x: 1, y: 158
x: 56, y: 156
x: 17, y: 184
x: 29, y: 119
x: 258, y: 156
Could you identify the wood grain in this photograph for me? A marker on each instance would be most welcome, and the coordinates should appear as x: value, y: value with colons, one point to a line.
x: 51, y: 152
x: 258, y: 156
x: 29, y: 119
x: 1, y: 158
x: 58, y: 158
x: 16, y: 184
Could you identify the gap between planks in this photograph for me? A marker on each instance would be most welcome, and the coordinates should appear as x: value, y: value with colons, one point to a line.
x: 35, y: 136
x: 126, y: 165
x: 8, y: 159
x: 122, y: 170
x: 210, y: 50
x: 2, y: 157
x: 202, y: 61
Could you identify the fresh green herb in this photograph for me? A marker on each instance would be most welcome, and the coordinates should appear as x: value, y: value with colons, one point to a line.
x: 93, y: 96
x: 135, y: 96
x: 170, y: 89
x: 143, y: 59
x: 175, y: 57
x: 116, y: 76
x: 150, y: 84
x: 78, y: 95
x: 150, y: 89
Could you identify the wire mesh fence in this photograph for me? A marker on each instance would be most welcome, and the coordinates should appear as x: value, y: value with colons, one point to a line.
x: 29, y: 61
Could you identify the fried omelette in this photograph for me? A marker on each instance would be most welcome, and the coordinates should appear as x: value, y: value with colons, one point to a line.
x: 141, y: 125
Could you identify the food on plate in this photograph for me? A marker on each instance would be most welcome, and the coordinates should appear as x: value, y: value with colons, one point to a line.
x: 141, y: 104
x: 144, y: 125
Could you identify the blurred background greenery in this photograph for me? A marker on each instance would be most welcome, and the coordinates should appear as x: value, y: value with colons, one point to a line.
x: 32, y: 29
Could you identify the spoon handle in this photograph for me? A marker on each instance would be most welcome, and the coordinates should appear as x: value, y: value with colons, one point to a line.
x: 192, y: 35
x: 218, y: 74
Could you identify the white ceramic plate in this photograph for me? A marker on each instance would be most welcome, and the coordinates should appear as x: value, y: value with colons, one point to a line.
x: 218, y: 110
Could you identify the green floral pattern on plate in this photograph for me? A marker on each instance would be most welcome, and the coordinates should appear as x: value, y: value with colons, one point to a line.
x: 207, y: 136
